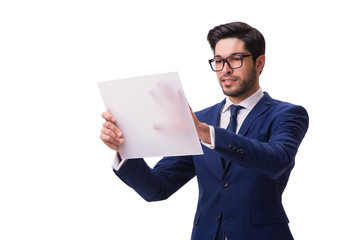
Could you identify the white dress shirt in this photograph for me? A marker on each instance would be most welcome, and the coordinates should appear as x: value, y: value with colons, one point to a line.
x: 247, y: 105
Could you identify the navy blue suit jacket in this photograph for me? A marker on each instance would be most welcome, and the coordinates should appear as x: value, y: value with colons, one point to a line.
x: 246, y: 195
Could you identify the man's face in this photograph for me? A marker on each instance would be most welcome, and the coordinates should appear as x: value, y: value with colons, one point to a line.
x: 238, y: 83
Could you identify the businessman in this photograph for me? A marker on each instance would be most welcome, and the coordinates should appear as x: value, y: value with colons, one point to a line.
x: 249, y: 141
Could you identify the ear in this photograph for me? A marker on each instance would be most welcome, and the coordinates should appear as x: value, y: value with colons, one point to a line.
x: 260, y: 63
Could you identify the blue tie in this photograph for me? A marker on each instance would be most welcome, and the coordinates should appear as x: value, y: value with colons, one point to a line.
x: 234, y: 110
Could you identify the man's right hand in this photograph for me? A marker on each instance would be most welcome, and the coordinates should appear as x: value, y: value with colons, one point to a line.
x: 110, y: 134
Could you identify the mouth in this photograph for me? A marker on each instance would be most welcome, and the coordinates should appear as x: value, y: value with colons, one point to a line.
x: 228, y: 81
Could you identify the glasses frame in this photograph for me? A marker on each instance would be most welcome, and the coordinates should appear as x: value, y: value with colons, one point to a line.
x: 242, y: 56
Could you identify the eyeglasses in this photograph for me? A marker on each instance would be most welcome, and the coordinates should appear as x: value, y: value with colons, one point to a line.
x: 234, y: 61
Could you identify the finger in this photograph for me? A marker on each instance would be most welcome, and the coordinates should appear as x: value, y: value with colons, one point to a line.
x: 195, y: 119
x: 167, y: 92
x: 109, y: 139
x: 111, y: 136
x: 112, y: 146
x: 192, y: 113
x: 111, y: 126
x: 105, y: 137
x: 108, y: 117
x: 182, y: 101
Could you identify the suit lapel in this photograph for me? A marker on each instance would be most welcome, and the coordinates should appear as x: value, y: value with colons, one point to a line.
x: 259, y: 109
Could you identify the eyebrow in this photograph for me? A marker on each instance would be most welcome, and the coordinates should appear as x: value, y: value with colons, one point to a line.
x: 235, y: 53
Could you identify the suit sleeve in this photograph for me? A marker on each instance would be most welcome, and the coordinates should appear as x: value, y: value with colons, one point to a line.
x: 272, y: 157
x: 159, y: 183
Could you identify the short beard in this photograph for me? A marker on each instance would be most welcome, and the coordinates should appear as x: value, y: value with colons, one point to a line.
x: 244, y: 88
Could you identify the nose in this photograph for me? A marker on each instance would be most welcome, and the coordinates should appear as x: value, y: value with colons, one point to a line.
x: 227, y: 69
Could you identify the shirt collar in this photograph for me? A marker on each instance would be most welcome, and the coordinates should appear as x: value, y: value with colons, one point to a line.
x: 248, y: 103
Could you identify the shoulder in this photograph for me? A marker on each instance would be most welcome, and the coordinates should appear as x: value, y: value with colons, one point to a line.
x: 278, y: 106
x: 269, y: 111
x: 210, y: 111
x: 285, y: 113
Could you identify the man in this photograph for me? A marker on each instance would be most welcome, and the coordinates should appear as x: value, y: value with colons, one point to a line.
x: 249, y: 151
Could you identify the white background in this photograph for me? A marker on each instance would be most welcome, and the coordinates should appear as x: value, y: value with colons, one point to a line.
x: 56, y: 180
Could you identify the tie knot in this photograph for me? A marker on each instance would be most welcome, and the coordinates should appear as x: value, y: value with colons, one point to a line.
x: 234, y: 110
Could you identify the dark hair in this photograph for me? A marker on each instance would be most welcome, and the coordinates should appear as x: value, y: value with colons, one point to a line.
x: 253, y: 39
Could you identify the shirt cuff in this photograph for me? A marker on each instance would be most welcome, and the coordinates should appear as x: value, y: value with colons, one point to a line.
x: 118, y: 162
x: 212, y: 139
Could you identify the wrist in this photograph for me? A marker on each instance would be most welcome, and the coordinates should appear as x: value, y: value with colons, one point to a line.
x: 203, y: 131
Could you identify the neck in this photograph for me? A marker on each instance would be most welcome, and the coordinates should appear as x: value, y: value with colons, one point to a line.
x: 242, y: 97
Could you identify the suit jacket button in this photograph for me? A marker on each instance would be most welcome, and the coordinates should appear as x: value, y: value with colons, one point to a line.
x: 217, y: 218
x: 225, y: 184
x: 239, y: 150
x: 228, y: 145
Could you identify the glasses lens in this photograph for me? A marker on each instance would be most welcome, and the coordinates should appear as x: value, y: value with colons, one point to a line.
x: 235, y: 61
x: 217, y: 64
